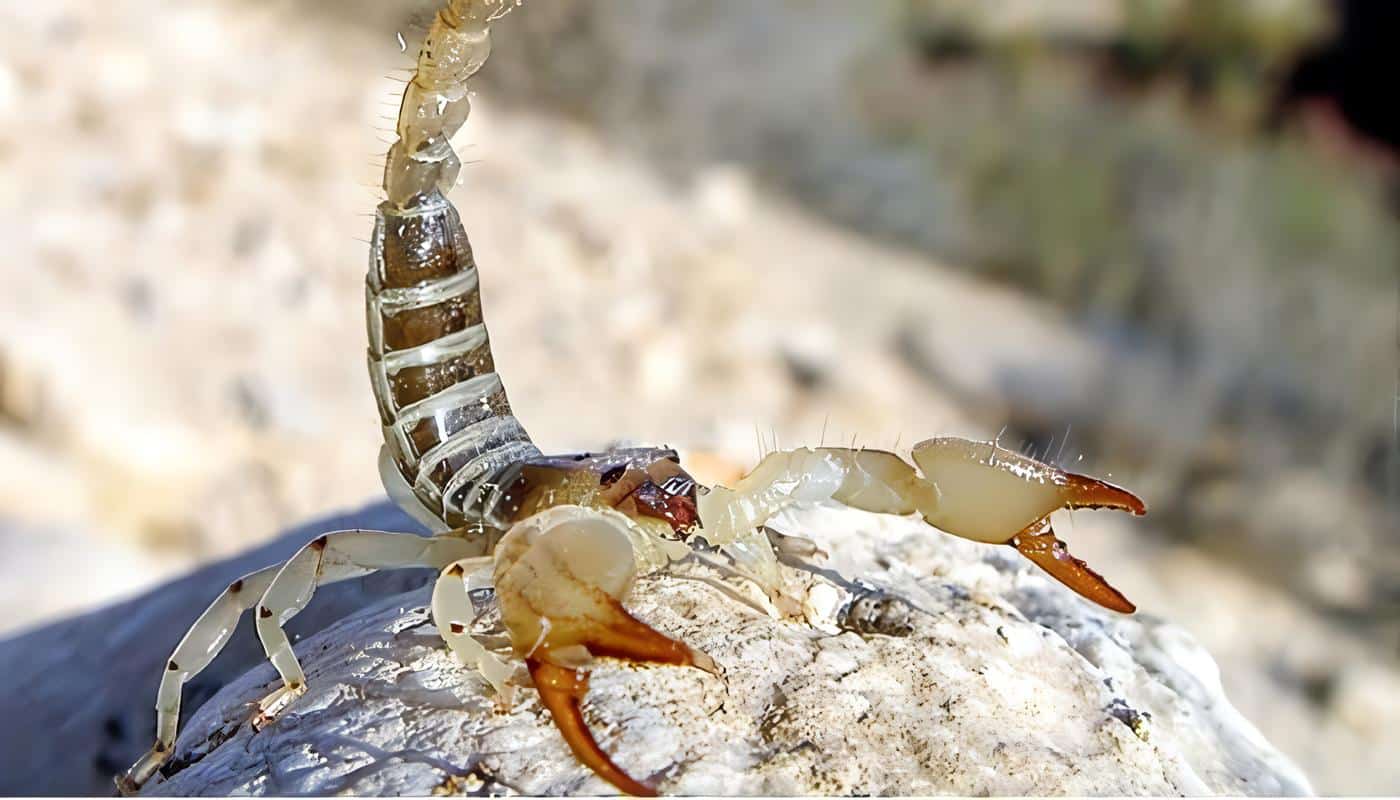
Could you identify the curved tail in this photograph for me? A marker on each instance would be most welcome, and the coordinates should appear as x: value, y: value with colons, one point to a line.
x: 448, y: 427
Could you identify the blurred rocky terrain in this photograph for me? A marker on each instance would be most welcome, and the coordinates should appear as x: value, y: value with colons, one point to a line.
x: 716, y: 225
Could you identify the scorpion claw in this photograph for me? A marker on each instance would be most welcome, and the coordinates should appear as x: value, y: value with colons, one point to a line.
x: 560, y: 576
x: 627, y: 638
x: 1082, y: 491
x: 1002, y: 497
x: 1050, y: 553
x: 562, y: 687
x: 975, y: 490
x: 1041, y: 546
x: 561, y: 690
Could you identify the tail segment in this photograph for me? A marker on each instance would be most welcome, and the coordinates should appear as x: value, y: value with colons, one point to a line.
x: 448, y: 427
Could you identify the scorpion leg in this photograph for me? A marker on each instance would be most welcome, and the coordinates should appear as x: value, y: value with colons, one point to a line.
x: 975, y: 490
x: 560, y: 578
x: 327, y: 559
x: 199, y: 646
x: 453, y: 614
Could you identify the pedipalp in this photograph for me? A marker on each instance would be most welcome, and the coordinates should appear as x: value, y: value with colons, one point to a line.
x: 975, y: 490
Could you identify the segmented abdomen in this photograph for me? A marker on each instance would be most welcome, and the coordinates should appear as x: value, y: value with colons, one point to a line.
x: 447, y: 422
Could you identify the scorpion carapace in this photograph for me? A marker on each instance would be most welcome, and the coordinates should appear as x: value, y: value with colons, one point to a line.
x: 564, y: 537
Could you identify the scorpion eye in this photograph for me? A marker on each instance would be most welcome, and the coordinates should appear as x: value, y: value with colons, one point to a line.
x: 678, y: 485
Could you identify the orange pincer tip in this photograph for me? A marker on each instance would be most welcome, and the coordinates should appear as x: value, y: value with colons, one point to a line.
x: 561, y: 690
x: 1082, y: 491
x: 1052, y: 555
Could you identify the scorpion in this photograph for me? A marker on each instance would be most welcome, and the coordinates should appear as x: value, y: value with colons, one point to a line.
x: 566, y: 536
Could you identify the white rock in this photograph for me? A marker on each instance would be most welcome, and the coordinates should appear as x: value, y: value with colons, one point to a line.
x: 1009, y: 685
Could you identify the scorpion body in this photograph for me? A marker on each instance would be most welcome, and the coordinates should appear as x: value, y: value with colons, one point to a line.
x: 565, y: 536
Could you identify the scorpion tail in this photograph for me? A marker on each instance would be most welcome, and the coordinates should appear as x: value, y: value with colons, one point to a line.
x: 448, y: 427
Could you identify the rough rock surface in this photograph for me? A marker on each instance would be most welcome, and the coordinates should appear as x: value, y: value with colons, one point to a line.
x: 1008, y: 685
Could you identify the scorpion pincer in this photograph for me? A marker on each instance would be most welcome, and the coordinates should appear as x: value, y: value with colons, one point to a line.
x: 566, y: 536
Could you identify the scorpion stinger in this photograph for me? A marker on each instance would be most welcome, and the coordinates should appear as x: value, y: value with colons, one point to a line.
x: 566, y: 536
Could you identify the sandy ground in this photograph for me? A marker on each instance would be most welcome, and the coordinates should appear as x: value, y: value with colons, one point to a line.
x: 184, y: 201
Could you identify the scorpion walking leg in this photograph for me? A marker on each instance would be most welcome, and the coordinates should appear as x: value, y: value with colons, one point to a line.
x: 199, y: 646
x: 975, y: 490
x: 329, y: 558
x: 453, y: 614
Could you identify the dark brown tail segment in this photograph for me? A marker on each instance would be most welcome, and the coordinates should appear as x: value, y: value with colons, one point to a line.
x: 447, y: 420
x: 447, y: 423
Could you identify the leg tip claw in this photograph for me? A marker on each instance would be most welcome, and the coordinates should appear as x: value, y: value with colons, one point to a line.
x: 272, y: 706
x: 129, y: 783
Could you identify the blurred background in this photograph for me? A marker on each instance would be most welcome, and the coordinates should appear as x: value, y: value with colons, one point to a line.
x: 1150, y: 239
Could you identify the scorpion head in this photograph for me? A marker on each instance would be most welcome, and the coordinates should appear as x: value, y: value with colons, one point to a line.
x: 647, y: 484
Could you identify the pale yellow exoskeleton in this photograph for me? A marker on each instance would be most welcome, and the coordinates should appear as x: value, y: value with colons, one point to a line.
x: 564, y: 537
x: 976, y: 490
